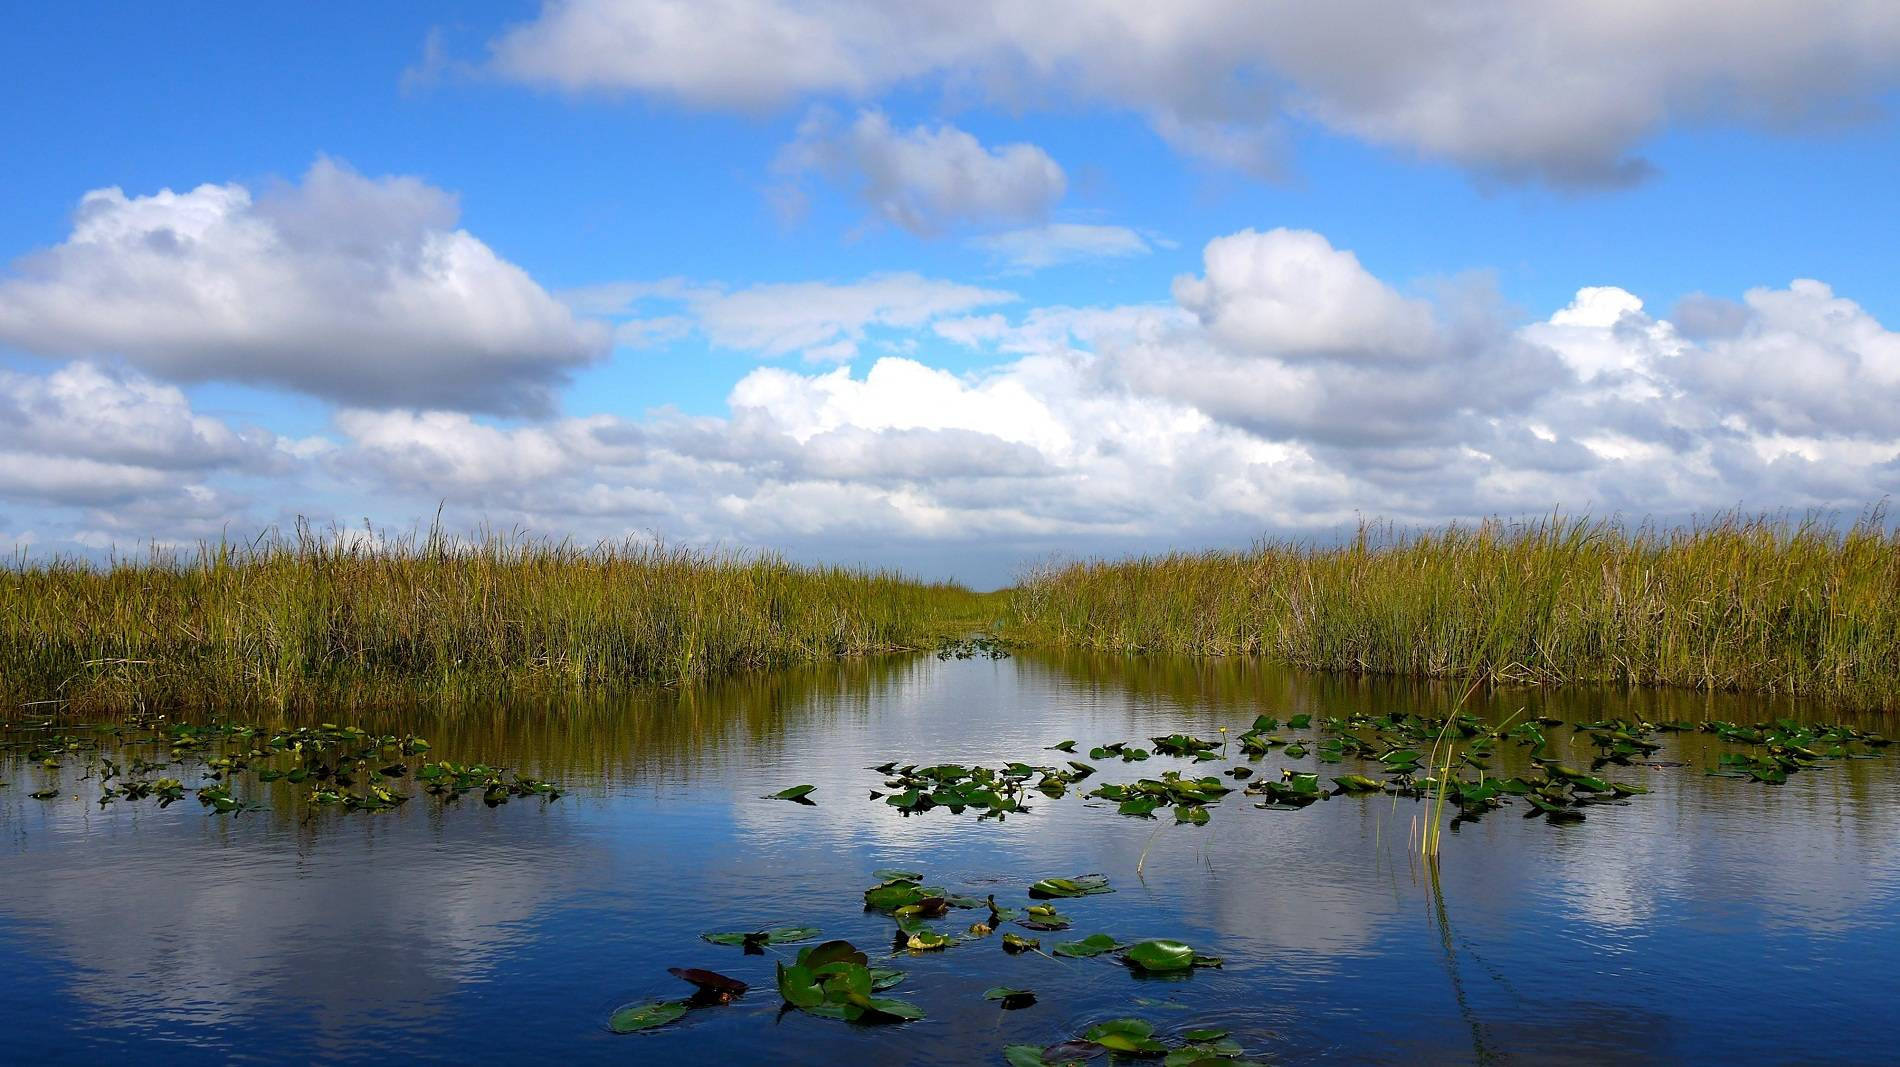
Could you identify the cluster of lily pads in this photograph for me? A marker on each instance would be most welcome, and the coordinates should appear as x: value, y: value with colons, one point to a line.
x: 1136, y: 1038
x: 1448, y: 760
x: 344, y: 767
x: 840, y: 981
x: 1784, y: 747
x: 992, y: 792
x: 980, y: 645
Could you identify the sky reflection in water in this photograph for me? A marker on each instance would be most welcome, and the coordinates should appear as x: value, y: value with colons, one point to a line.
x: 1711, y: 920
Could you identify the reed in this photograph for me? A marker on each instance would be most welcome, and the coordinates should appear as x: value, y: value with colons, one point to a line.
x: 1768, y: 604
x: 314, y: 621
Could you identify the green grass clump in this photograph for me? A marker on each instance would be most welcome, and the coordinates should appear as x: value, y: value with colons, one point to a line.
x: 1739, y: 603
x: 315, y: 621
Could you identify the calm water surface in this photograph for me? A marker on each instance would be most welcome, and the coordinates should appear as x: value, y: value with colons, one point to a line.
x: 1713, y: 920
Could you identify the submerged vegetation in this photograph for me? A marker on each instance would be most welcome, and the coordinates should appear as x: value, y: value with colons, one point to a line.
x: 1737, y: 604
x: 316, y: 621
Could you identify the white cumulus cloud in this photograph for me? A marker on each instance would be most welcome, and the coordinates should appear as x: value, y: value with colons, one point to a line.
x: 1565, y: 91
x: 350, y: 288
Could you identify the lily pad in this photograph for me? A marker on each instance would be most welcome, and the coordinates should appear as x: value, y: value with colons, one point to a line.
x: 755, y: 940
x: 1165, y: 957
x: 797, y: 792
x: 1043, y: 917
x: 1012, y: 998
x: 1125, y: 1035
x: 633, y: 1018
x: 831, y: 952
x: 1092, y: 945
x: 1082, y: 885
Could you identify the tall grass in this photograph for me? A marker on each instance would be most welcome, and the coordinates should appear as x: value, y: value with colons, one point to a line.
x: 312, y: 621
x: 1749, y: 603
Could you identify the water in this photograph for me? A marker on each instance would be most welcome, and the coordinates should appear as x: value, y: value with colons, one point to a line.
x: 1712, y: 920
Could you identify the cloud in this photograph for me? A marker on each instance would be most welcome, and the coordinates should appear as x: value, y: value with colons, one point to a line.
x: 1285, y: 389
x: 1061, y: 242
x: 1802, y: 361
x: 926, y: 179
x: 85, y: 435
x: 825, y: 321
x: 1297, y: 340
x: 1565, y: 91
x: 349, y: 288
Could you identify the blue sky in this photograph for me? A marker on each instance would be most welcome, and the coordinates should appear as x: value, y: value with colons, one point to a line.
x: 648, y: 191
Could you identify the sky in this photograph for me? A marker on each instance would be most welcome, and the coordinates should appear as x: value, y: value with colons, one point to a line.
x: 961, y: 288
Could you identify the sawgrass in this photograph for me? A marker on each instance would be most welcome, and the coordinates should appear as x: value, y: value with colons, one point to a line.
x: 1766, y: 604
x: 315, y: 621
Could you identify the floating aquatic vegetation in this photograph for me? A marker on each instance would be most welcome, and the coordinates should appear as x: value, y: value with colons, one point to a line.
x: 1043, y: 917
x: 1092, y: 945
x: 834, y: 981
x: 633, y: 1018
x: 928, y: 941
x: 754, y: 941
x: 1012, y: 999
x: 795, y: 793
x: 1165, y: 957
x: 1066, y: 1054
x: 1082, y: 885
x: 1169, y: 788
x: 1014, y: 943
x: 1184, y: 745
x: 983, y: 645
x: 1295, y: 789
x: 344, y: 767
x: 1118, y: 749
x: 710, y: 988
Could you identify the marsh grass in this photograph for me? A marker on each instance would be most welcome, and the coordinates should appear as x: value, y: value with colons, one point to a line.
x: 319, y: 621
x: 1738, y: 603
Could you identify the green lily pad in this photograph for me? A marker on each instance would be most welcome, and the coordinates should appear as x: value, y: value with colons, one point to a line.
x: 1082, y: 885
x: 1165, y: 957
x: 751, y: 939
x: 799, y: 986
x: 893, y: 1009
x: 830, y: 952
x: 633, y: 1018
x: 1092, y: 945
x: 1012, y: 998
x: 797, y: 792
x: 1125, y: 1035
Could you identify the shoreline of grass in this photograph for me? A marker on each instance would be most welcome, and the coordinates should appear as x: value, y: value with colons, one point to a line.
x: 313, y: 621
x: 1739, y: 603
x: 1759, y: 604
